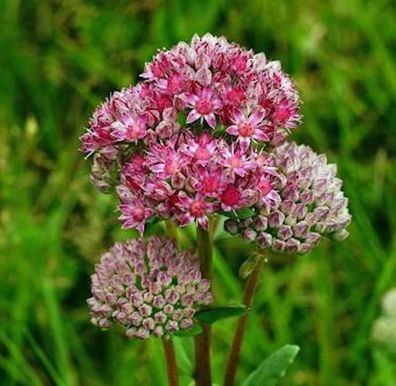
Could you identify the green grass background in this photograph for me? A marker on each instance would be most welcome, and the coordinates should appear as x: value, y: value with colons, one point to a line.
x: 59, y: 59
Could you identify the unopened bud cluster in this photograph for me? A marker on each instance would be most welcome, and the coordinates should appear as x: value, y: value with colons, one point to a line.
x: 148, y: 287
x: 312, y: 204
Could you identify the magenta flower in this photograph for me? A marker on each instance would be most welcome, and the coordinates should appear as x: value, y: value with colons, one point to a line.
x: 165, y: 161
x: 237, y: 160
x: 129, y: 128
x: 208, y: 80
x: 248, y: 127
x: 209, y: 181
x: 232, y: 198
x: 134, y: 212
x: 195, y: 209
x: 201, y: 149
x: 204, y: 104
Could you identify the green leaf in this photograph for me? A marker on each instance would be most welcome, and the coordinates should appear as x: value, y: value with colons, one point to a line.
x: 240, y: 214
x: 183, y: 359
x: 181, y: 118
x: 194, y: 330
x: 213, y: 314
x: 273, y: 368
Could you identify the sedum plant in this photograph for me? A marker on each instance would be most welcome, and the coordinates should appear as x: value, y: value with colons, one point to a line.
x: 203, y: 135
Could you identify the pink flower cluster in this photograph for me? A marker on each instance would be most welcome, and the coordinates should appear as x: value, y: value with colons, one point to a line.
x: 147, y: 287
x: 212, y: 82
x: 205, y: 132
x: 312, y: 204
x: 190, y: 177
x: 187, y: 139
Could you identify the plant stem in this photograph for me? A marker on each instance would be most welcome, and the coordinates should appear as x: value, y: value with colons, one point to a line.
x: 170, y: 362
x: 202, y: 373
x: 250, y: 291
x: 173, y: 379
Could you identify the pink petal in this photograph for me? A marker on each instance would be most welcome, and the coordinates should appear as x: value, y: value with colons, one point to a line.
x: 191, y: 99
x: 140, y: 228
x: 157, y: 168
x: 211, y: 119
x: 257, y: 117
x: 207, y: 93
x: 203, y: 222
x: 186, y: 219
x: 244, y: 142
x: 238, y: 116
x: 193, y: 116
x: 233, y: 130
x: 240, y: 171
x: 216, y: 104
x: 184, y: 200
x: 260, y: 135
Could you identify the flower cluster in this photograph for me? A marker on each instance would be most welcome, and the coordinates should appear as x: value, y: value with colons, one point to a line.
x: 205, y: 132
x: 191, y: 177
x: 148, y: 287
x: 186, y: 140
x: 312, y: 204
x: 211, y: 81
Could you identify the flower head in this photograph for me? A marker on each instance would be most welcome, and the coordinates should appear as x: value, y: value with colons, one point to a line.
x: 148, y: 287
x: 187, y: 137
x: 310, y: 204
x: 209, y: 80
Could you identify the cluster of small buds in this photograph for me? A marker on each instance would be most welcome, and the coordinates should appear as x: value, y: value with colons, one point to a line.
x: 190, y: 134
x: 148, y: 287
x: 312, y: 204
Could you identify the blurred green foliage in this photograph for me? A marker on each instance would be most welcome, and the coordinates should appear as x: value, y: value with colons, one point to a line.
x: 59, y: 59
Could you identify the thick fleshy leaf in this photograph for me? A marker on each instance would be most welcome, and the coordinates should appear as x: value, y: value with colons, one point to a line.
x: 213, y: 314
x: 273, y: 368
x: 194, y: 330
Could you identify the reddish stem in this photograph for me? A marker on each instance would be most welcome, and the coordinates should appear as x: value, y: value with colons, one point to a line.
x: 202, y: 373
x: 170, y: 362
x: 250, y: 291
